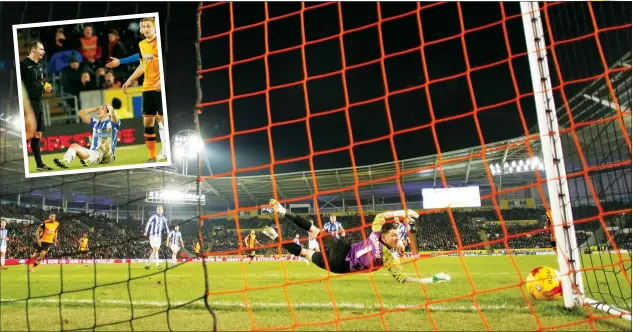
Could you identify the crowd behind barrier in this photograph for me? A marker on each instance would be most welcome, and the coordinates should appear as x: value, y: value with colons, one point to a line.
x: 433, y: 232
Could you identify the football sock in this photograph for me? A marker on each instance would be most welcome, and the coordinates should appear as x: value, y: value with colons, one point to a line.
x: 293, y: 248
x: 161, y: 134
x: 302, y: 222
x: 35, y: 146
x: 149, y: 260
x: 70, y: 155
x: 2, y: 260
x: 150, y: 141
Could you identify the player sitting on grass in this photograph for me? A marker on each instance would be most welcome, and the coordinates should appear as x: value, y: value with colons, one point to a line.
x: 105, y: 133
x: 365, y: 256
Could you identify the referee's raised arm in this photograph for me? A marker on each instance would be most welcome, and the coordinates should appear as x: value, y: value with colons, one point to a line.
x: 32, y: 73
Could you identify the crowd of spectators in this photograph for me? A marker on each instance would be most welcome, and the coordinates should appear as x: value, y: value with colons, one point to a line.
x: 434, y: 232
x: 79, y: 54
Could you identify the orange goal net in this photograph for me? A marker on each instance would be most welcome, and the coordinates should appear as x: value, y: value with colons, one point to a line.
x: 489, y: 120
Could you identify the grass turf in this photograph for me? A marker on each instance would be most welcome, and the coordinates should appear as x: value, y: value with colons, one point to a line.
x: 255, y: 296
x: 125, y: 155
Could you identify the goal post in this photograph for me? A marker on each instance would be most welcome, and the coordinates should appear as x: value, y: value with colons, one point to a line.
x: 568, y: 252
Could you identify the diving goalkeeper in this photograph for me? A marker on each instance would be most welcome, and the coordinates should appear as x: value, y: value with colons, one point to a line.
x: 377, y: 251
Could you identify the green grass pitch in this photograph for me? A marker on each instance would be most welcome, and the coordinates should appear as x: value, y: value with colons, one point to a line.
x: 247, y: 297
x: 125, y: 155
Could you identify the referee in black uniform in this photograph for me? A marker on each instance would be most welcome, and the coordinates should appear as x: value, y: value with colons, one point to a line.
x: 32, y: 72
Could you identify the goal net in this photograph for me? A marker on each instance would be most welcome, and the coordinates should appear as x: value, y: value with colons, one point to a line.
x: 558, y: 74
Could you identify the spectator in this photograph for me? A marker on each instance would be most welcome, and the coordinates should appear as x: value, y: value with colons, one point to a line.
x: 115, y: 47
x: 89, y: 47
x: 86, y: 82
x: 60, y: 42
x: 71, y: 77
x: 110, y: 81
x: 100, y: 76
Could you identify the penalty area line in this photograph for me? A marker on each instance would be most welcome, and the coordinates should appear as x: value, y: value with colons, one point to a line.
x: 301, y: 305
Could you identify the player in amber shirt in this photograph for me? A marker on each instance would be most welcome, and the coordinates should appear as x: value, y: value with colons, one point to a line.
x: 152, y: 99
x: 46, y: 236
x: 196, y: 249
x: 250, y: 241
x: 83, y: 248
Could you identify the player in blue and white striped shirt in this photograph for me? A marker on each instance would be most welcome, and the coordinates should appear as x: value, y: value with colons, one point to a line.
x: 105, y: 135
x: 403, y: 237
x: 334, y: 227
x: 4, y: 239
x: 313, y: 244
x: 174, y: 241
x: 298, y: 242
x: 156, y: 225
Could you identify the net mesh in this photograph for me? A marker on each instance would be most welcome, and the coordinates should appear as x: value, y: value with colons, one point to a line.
x: 580, y: 67
x: 272, y: 78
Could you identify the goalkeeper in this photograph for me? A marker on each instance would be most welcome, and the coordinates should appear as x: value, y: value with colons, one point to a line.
x: 377, y: 251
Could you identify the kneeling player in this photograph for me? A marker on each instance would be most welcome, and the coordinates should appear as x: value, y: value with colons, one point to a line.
x: 105, y: 134
x: 46, y: 236
x: 174, y: 241
x: 368, y: 255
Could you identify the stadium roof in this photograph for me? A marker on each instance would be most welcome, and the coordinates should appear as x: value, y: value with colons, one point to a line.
x: 460, y: 167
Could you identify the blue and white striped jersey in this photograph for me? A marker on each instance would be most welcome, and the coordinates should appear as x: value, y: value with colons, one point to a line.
x: 3, y: 237
x: 100, y: 130
x: 402, y: 232
x: 155, y: 225
x: 174, y: 240
x: 333, y: 228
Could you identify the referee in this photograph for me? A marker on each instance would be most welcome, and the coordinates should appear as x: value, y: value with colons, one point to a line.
x: 32, y: 72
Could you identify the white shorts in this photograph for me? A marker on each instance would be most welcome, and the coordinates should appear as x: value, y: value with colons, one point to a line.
x: 175, y: 248
x: 106, y: 158
x: 3, y: 248
x: 154, y: 241
x: 313, y: 245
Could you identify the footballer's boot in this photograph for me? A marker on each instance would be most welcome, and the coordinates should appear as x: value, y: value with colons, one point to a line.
x: 270, y: 232
x: 61, y: 163
x: 43, y: 167
x: 85, y: 162
x: 441, y: 277
x: 277, y: 207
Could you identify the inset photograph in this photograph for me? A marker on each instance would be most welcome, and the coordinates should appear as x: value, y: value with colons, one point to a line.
x: 92, y: 95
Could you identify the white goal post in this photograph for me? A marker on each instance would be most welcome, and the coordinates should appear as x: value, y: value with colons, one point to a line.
x: 568, y: 253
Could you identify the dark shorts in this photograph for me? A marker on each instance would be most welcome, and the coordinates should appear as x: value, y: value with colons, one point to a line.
x: 152, y: 103
x: 43, y: 246
x: 38, y: 111
x: 335, y: 250
x: 251, y: 254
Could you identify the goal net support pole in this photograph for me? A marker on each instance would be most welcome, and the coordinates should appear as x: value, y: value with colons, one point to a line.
x: 557, y: 189
x: 568, y: 253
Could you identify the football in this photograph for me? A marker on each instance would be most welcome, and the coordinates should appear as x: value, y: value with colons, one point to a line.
x: 544, y: 283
